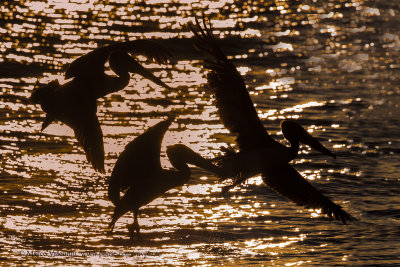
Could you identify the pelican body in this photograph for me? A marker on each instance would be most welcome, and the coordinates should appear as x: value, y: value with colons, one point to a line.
x: 249, y: 162
x: 258, y: 152
x: 75, y: 102
x: 139, y: 174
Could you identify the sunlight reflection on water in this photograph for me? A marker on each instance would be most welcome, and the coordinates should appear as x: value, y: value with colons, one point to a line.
x: 332, y: 65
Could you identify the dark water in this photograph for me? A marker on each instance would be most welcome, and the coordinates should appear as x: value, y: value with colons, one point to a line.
x: 333, y: 66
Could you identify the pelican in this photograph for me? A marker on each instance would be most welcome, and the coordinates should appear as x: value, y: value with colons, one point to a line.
x: 75, y: 102
x: 138, y: 172
x: 258, y: 152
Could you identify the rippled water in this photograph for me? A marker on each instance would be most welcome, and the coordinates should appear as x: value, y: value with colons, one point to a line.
x: 333, y: 65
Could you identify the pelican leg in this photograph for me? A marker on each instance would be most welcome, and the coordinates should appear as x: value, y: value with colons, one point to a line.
x: 132, y: 228
x: 136, y: 224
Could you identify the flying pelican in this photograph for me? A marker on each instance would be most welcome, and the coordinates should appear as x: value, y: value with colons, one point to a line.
x: 138, y: 172
x: 75, y: 102
x: 258, y: 151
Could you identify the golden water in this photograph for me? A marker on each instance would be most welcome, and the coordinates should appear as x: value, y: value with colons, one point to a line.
x: 333, y: 65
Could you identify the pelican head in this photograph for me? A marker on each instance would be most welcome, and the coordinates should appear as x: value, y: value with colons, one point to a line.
x: 122, y: 63
x: 295, y: 133
x: 41, y: 94
x: 44, y: 96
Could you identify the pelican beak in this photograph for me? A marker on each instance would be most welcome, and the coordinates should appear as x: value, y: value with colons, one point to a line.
x: 179, y: 152
x: 293, y: 130
x: 307, y: 139
x: 145, y: 73
x: 121, y: 61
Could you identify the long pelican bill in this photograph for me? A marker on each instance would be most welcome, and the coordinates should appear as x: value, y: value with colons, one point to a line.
x: 150, y: 76
x: 315, y: 144
x: 180, y: 151
x: 292, y: 129
x: 121, y: 59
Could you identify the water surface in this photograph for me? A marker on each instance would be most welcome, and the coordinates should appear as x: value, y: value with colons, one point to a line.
x: 333, y: 66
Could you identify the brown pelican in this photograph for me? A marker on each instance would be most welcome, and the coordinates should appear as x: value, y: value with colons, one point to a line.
x: 138, y: 172
x: 75, y: 102
x: 258, y: 151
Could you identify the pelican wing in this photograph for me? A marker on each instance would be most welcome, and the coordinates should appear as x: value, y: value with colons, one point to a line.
x: 140, y: 159
x: 92, y: 64
x: 235, y: 107
x: 289, y: 183
x: 90, y: 137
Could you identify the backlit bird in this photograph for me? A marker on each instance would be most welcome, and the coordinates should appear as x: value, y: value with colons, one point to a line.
x: 75, y: 102
x: 139, y: 174
x: 258, y: 152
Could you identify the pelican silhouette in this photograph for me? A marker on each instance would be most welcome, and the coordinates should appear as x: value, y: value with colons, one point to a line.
x: 139, y: 174
x: 258, y: 151
x: 75, y: 102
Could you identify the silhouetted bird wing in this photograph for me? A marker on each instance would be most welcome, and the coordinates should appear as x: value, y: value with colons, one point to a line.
x: 93, y: 63
x: 139, y: 160
x: 90, y: 137
x: 235, y: 107
x: 288, y: 182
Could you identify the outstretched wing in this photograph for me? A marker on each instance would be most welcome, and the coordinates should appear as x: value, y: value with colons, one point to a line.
x: 90, y: 137
x: 139, y: 160
x: 289, y: 183
x: 235, y: 107
x: 92, y: 63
